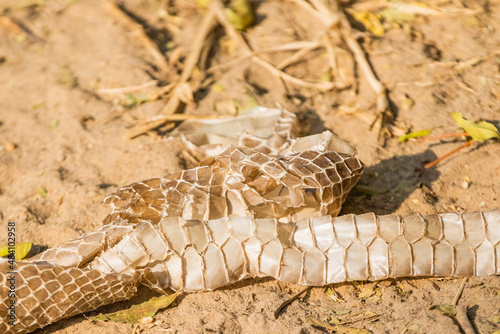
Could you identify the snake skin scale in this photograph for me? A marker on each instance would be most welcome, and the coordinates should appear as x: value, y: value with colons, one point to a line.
x: 264, y: 204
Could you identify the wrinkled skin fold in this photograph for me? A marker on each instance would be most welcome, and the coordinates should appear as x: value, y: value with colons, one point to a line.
x: 264, y: 205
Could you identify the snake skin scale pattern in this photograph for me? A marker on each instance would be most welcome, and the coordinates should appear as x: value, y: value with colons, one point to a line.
x: 265, y: 204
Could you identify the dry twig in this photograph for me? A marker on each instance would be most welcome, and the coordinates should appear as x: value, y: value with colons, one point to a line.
x: 289, y: 301
x: 280, y: 48
x: 297, y: 55
x: 138, y: 30
x: 127, y: 90
x: 438, y: 160
x: 416, y: 9
x: 359, y: 55
x: 332, y: 58
x: 459, y: 292
x: 183, y: 117
x: 331, y: 16
x: 234, y: 34
x: 175, y: 100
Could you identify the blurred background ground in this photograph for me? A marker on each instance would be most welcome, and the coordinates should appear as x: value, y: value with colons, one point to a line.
x: 77, y: 76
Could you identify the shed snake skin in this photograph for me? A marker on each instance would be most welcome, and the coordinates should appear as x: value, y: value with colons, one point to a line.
x: 264, y: 204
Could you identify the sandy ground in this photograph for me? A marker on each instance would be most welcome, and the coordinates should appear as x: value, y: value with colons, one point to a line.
x: 63, y: 144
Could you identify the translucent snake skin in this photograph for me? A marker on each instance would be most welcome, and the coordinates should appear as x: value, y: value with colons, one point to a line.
x: 264, y: 204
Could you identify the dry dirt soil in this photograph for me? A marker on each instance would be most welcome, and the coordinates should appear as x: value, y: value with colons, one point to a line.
x: 63, y: 144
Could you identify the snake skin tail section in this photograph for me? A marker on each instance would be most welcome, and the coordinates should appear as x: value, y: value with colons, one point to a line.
x: 33, y: 295
x: 197, y: 255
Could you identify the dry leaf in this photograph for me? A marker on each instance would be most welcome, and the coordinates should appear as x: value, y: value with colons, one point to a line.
x: 42, y: 192
x: 239, y: 13
x: 21, y: 250
x: 334, y: 296
x: 479, y: 131
x: 400, y: 289
x: 138, y: 312
x: 368, y: 315
x: 365, y: 294
x: 371, y: 22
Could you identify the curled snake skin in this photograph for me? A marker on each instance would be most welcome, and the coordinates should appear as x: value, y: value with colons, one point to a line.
x: 263, y: 205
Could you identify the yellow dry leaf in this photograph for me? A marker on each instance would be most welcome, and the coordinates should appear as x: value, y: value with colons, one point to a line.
x: 400, y: 289
x: 42, y: 192
x: 479, y: 131
x: 371, y: 22
x: 239, y: 13
x: 333, y: 295
x: 20, y: 250
x: 138, y: 312
x: 365, y: 294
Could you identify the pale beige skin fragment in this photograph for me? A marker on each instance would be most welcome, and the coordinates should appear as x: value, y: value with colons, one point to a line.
x: 265, y: 209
